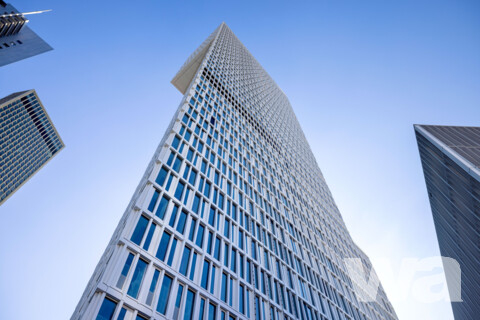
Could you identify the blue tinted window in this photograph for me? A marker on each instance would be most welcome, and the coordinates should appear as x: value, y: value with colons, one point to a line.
x: 209, y: 242
x: 212, y: 279
x: 173, y: 217
x: 172, y: 252
x: 184, y: 262
x: 139, y: 231
x: 226, y: 229
x: 202, y: 309
x: 185, y: 172
x: 225, y: 255
x: 258, y: 316
x: 192, y: 268
x: 241, y: 298
x: 170, y: 158
x: 153, y: 286
x: 137, y: 278
x: 125, y: 270
x: 248, y: 304
x: 185, y: 200
x: 214, y: 200
x: 190, y: 155
x: 189, y: 304
x: 212, y: 312
x: 188, y: 134
x: 148, y: 240
x: 178, y: 301
x: 179, y: 191
x: 106, y: 310
x: 233, y: 262
x: 181, y: 222
x: 230, y: 301
x: 175, y: 142
x: 151, y: 206
x: 223, y: 294
x: 162, y: 248
x: 220, y: 200
x: 211, y: 217
x: 162, y: 207
x: 193, y: 176
x: 193, y: 224
x: 234, y: 212
x: 177, y: 164
x: 200, y: 231
x: 164, y: 294
x: 217, y: 249
x: 196, y: 204
x: 169, y: 183
x: 203, y: 208
x: 121, y: 315
x: 240, y: 239
x: 162, y: 175
x: 206, y: 192
x: 204, y: 282
x: 240, y: 260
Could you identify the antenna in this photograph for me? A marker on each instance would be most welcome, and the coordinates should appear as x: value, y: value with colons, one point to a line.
x: 24, y: 13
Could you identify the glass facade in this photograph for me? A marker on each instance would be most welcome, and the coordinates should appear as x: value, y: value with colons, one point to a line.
x: 450, y: 159
x: 28, y: 140
x: 246, y: 227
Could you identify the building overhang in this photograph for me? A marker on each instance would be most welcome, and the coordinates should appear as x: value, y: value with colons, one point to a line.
x: 187, y: 72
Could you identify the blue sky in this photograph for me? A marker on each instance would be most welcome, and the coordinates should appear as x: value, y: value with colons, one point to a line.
x: 359, y: 74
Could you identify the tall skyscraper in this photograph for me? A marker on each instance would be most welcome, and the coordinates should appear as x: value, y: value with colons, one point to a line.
x: 28, y: 140
x: 451, y: 165
x: 17, y: 41
x: 232, y: 219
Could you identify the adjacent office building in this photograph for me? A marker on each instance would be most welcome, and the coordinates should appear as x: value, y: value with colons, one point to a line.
x: 232, y: 218
x: 451, y: 163
x: 28, y: 140
x: 17, y: 41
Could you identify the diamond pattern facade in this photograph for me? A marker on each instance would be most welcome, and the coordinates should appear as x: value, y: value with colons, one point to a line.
x: 233, y: 218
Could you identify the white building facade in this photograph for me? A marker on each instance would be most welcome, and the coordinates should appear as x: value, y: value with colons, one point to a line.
x: 232, y: 218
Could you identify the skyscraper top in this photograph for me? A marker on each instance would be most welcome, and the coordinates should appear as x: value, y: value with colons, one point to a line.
x: 28, y: 140
x: 460, y: 143
x: 18, y: 41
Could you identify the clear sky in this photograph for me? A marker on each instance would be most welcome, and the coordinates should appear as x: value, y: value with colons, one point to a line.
x: 359, y: 74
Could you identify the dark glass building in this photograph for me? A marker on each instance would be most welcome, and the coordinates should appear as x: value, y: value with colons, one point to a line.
x: 28, y: 140
x: 17, y: 41
x: 451, y: 160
